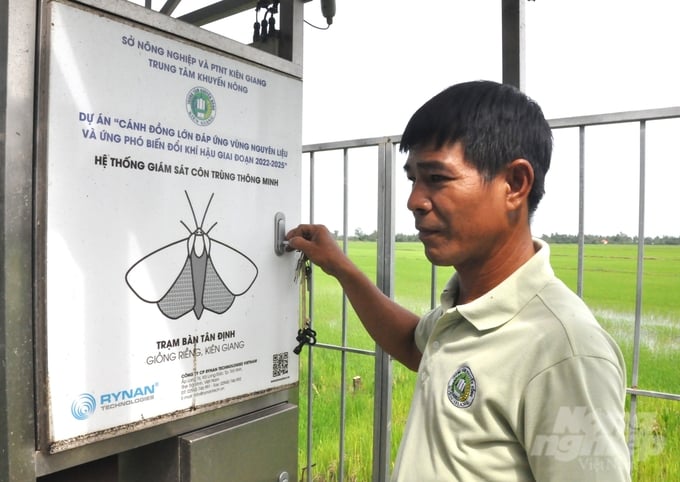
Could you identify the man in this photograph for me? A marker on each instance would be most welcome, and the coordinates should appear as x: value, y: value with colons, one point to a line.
x: 516, y: 379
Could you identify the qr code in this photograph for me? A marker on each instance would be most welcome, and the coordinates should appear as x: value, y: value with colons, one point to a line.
x: 280, y: 364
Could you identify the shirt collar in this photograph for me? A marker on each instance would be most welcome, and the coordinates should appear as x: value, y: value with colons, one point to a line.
x: 502, y: 303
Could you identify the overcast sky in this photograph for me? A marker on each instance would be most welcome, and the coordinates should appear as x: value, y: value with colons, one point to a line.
x: 381, y: 59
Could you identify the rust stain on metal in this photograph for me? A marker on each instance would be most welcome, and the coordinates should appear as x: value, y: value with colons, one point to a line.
x: 120, y: 430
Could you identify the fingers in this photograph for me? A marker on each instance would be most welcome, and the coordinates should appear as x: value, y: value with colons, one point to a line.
x: 300, y: 231
x: 299, y: 237
x: 305, y: 231
x: 313, y: 239
x: 318, y: 245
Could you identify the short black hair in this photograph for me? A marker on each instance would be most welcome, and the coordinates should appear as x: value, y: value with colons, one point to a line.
x: 496, y: 124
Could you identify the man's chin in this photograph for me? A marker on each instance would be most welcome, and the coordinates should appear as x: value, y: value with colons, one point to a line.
x: 435, y: 257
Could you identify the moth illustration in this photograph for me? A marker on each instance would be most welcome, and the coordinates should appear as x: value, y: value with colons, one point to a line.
x: 195, y: 273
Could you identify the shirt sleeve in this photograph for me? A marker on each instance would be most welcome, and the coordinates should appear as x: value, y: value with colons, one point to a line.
x: 424, y: 328
x: 574, y: 422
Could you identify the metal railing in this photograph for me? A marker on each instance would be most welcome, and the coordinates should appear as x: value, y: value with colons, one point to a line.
x: 386, y: 157
x: 641, y: 118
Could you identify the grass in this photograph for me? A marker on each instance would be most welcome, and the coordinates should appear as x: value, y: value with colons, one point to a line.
x: 609, y: 289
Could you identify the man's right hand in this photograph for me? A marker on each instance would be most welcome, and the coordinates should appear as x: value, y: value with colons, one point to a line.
x: 320, y: 247
x: 390, y: 325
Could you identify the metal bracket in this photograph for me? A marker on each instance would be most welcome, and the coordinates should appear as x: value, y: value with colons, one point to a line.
x: 280, y: 242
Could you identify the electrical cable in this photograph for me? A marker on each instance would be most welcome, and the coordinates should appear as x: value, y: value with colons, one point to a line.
x: 328, y: 12
x: 317, y: 27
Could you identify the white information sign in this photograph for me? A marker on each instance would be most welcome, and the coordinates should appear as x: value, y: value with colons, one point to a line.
x: 166, y: 165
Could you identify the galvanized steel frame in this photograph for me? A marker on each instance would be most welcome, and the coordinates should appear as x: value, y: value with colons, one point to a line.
x: 17, y: 94
x: 385, y: 279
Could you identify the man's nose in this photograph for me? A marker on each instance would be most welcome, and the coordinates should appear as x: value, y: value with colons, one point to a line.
x: 418, y: 201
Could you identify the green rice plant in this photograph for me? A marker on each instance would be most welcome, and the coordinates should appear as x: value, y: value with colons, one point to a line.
x: 657, y: 440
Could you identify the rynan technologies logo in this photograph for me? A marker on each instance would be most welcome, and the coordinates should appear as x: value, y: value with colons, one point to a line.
x: 83, y: 406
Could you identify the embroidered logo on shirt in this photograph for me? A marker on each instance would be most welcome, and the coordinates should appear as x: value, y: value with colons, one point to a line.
x: 462, y: 387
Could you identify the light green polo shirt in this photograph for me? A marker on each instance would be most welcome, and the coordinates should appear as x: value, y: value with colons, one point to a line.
x: 521, y: 384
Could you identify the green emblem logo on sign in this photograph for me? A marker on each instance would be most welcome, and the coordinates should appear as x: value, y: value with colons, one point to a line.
x: 462, y: 388
x: 201, y: 106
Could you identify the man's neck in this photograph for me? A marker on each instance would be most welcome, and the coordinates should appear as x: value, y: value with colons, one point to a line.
x: 480, y: 278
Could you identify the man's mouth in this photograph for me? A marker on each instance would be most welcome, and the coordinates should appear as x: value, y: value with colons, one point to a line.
x: 424, y: 232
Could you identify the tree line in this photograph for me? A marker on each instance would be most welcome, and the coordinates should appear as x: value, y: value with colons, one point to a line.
x: 619, y: 238
x: 554, y: 238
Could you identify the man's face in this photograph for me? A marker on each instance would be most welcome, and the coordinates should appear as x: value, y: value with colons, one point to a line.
x: 460, y: 217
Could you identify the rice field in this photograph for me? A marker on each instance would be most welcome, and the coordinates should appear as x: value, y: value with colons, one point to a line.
x: 609, y: 288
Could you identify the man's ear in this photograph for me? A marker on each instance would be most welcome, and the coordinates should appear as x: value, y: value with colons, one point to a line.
x: 519, y: 180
